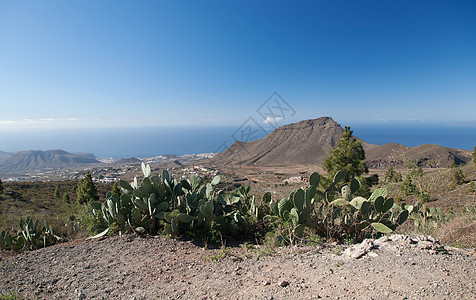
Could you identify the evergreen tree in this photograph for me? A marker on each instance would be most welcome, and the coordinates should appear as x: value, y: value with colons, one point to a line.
x: 1, y: 186
x: 393, y: 175
x: 348, y: 155
x: 66, y: 198
x: 57, y: 194
x: 474, y: 156
x: 86, y: 190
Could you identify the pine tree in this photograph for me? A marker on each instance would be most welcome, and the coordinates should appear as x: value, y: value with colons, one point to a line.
x: 393, y: 175
x: 57, y: 194
x: 66, y: 198
x: 348, y: 155
x: 1, y: 186
x: 474, y: 156
x: 86, y: 190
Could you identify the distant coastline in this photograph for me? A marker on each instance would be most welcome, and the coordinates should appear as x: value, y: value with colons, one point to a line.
x: 150, y: 142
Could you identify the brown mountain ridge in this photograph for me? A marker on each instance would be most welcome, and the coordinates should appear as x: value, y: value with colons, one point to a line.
x: 428, y: 155
x: 309, y: 142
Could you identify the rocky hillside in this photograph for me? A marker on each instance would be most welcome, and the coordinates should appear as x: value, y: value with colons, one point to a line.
x: 304, y: 143
x: 394, y: 154
x: 309, y: 142
x: 37, y: 159
x: 5, y: 155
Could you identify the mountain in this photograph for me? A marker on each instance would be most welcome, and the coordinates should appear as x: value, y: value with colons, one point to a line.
x: 428, y: 155
x: 37, y: 159
x: 4, y: 155
x: 304, y: 143
x: 309, y: 142
x: 132, y: 160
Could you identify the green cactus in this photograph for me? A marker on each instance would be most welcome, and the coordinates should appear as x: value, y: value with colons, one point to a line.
x: 162, y: 202
x: 346, y: 193
x: 30, y: 236
x: 299, y: 199
x: 314, y: 179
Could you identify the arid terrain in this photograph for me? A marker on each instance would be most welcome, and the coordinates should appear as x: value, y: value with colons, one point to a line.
x: 408, y: 265
x: 145, y: 267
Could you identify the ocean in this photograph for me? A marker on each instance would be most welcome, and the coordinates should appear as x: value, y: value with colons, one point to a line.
x: 147, y: 142
x: 460, y: 137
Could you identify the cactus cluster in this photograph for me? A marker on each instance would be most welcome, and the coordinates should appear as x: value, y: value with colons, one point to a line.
x: 164, y: 203
x: 296, y: 210
x: 30, y: 236
x: 425, y: 218
x: 335, y: 212
x: 356, y: 215
x: 248, y: 205
x: 379, y: 212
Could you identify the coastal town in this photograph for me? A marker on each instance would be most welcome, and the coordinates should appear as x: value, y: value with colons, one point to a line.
x: 111, y: 170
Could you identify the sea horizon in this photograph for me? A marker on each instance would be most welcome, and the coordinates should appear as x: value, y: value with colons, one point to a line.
x: 155, y: 141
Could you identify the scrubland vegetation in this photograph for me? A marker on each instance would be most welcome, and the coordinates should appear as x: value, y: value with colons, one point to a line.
x: 343, y: 207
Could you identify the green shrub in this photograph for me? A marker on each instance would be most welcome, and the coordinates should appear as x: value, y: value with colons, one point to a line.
x: 10, y: 295
x: 474, y: 156
x: 471, y: 188
x: 393, y: 175
x: 408, y: 187
x: 458, y: 178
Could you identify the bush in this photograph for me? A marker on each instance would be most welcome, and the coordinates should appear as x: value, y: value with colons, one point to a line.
x: 393, y: 176
x: 458, y: 178
x: 408, y: 187
x: 365, y: 184
x: 474, y: 156
x: 471, y: 188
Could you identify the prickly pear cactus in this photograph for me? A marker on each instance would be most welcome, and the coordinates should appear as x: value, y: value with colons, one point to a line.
x: 162, y: 203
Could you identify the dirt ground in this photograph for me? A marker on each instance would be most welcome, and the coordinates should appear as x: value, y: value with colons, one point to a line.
x: 146, y: 267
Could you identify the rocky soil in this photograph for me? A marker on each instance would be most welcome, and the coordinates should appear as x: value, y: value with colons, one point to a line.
x: 145, y: 267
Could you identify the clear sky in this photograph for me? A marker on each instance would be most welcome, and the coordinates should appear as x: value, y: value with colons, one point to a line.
x: 213, y: 63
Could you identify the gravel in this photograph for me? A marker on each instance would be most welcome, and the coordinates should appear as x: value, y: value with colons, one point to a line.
x: 147, y: 267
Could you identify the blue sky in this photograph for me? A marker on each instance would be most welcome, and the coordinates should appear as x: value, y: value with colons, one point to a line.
x: 97, y: 64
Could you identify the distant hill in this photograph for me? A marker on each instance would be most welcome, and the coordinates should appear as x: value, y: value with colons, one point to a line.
x: 37, y: 159
x: 5, y: 155
x: 309, y: 142
x: 132, y: 160
x: 302, y: 143
x: 429, y: 155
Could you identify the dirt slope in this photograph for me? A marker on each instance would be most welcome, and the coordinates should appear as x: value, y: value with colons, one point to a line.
x: 133, y: 267
x: 305, y: 142
x: 309, y: 142
x: 427, y: 155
